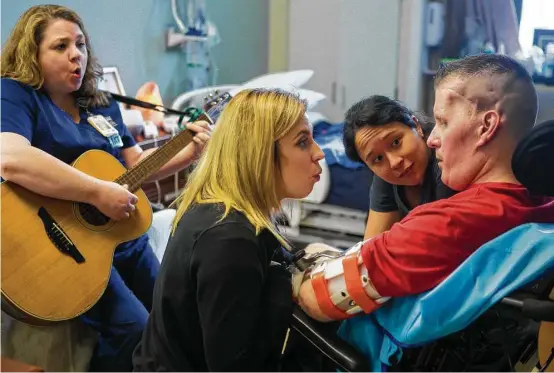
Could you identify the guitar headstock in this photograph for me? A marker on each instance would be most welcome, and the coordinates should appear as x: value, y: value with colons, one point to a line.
x: 214, y: 106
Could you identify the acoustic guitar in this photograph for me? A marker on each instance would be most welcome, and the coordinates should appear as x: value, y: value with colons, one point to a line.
x: 56, y: 254
x: 163, y: 191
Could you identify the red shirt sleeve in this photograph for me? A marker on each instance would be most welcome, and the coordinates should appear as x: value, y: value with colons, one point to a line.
x: 417, y: 253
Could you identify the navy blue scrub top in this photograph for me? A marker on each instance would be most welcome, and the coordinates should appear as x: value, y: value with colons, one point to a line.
x: 32, y: 114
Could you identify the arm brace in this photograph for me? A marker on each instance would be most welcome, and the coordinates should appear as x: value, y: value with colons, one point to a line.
x: 342, y: 285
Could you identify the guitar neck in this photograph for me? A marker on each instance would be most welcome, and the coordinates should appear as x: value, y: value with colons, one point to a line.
x: 147, y: 167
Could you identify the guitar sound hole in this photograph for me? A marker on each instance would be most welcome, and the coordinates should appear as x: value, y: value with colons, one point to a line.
x: 92, y: 215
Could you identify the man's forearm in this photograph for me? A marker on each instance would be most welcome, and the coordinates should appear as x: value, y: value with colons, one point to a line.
x: 335, y: 289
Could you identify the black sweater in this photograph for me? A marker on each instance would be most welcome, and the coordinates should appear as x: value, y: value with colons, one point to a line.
x: 218, y: 303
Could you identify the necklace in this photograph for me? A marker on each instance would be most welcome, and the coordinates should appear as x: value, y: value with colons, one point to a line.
x: 71, y: 116
x: 80, y: 105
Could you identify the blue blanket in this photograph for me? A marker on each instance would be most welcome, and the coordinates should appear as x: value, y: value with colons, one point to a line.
x: 494, y: 271
x: 329, y: 137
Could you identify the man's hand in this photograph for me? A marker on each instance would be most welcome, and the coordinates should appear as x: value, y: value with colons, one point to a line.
x: 306, y: 295
x: 318, y: 247
x: 331, y: 271
x: 308, y: 302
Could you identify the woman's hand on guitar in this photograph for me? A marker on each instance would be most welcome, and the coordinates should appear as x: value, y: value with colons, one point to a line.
x: 114, y: 200
x: 202, y: 132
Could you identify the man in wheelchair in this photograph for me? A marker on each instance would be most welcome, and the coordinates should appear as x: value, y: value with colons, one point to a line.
x: 424, y: 280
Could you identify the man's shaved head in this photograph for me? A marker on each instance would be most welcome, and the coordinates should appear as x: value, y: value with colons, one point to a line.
x: 484, y: 105
x: 495, y: 82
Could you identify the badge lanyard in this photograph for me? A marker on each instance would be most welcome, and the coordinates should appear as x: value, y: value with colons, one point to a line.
x: 106, y: 127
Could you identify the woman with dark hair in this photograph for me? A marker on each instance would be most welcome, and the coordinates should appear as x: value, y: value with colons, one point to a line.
x: 391, y: 140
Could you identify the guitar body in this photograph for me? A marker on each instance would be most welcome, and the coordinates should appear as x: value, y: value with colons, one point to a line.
x: 40, y: 282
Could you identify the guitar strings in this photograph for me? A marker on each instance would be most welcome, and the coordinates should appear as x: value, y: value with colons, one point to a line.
x: 132, y: 179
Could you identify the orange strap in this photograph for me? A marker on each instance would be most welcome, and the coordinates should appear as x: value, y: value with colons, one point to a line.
x: 354, y: 284
x: 324, y: 300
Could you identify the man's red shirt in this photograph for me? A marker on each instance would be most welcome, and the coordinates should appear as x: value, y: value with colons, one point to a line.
x: 419, y: 252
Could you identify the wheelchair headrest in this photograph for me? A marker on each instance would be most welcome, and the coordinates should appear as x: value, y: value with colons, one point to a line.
x: 533, y: 159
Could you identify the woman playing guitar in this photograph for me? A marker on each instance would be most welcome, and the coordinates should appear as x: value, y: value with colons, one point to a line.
x: 53, y: 113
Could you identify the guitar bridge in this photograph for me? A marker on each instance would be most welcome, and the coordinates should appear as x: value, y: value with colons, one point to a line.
x: 58, y: 237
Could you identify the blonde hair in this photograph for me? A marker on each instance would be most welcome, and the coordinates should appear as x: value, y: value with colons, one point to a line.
x: 240, y: 164
x: 19, y: 60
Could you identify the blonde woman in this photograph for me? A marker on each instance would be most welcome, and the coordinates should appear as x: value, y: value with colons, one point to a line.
x: 221, y: 301
x: 49, y: 93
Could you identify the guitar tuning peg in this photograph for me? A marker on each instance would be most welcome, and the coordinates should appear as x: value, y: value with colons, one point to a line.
x: 217, y: 92
x: 205, y: 98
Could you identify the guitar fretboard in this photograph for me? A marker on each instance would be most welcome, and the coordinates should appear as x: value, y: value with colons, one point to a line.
x: 148, y: 166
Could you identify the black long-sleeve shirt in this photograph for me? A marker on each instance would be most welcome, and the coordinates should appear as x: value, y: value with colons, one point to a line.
x: 210, y: 307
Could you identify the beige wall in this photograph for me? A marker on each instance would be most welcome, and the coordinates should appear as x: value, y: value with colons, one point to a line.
x: 409, y: 68
x: 411, y: 46
x: 278, y: 35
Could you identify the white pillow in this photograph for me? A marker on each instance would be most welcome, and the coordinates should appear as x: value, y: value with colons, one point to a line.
x: 283, y: 80
x: 312, y: 97
x: 288, y: 80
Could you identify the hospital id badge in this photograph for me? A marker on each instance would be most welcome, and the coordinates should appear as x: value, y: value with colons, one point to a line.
x: 106, y: 129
